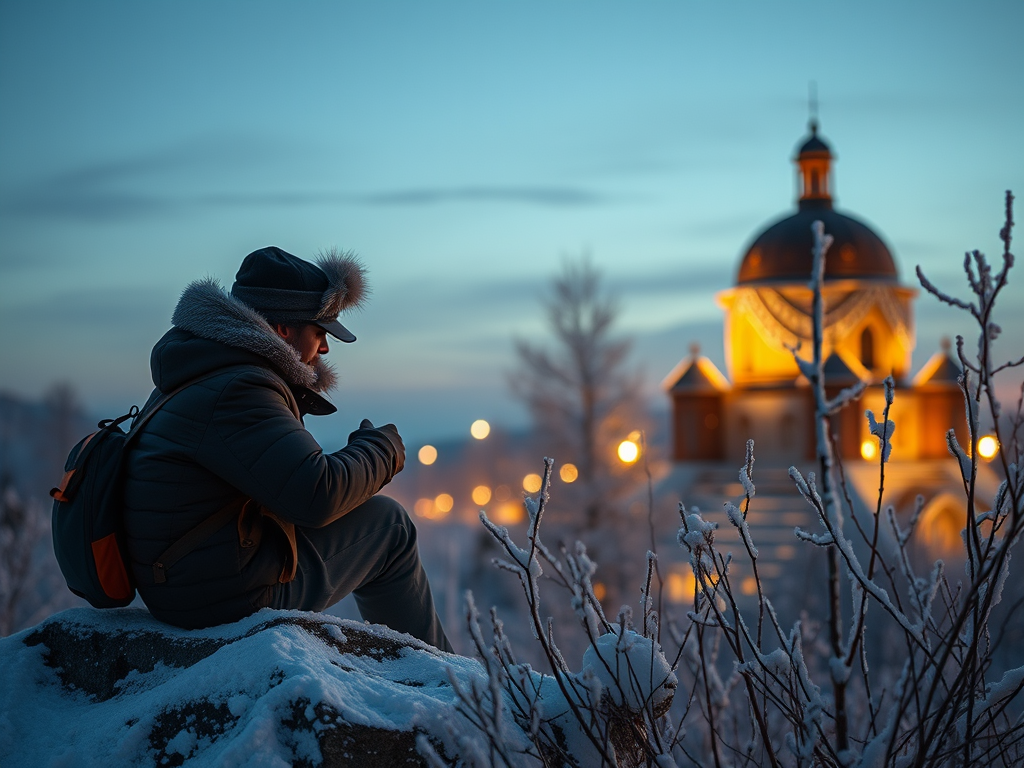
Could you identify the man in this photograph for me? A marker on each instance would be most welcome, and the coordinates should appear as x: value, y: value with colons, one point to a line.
x: 305, y: 527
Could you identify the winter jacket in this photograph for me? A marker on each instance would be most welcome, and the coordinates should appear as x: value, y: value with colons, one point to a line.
x: 233, y: 437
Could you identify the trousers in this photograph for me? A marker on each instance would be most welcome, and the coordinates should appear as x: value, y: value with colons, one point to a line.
x: 371, y: 553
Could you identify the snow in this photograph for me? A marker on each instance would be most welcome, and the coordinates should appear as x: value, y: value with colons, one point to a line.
x: 255, y: 676
x: 99, y: 688
x: 631, y: 667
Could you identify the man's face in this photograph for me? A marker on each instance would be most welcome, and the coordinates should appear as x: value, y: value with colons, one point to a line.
x: 309, y: 340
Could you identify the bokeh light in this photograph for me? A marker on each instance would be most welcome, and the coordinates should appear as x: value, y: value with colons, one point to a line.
x: 568, y: 473
x: 480, y: 429
x: 628, y: 451
x: 531, y: 483
x: 424, y: 508
x: 988, y: 446
x: 869, y: 449
x: 679, y: 587
x: 600, y: 591
x: 427, y: 455
x: 444, y: 503
x: 508, y: 513
x: 481, y: 495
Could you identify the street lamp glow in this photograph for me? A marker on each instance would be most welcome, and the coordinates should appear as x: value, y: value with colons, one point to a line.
x: 481, y: 495
x: 869, y: 449
x: 988, y: 447
x: 531, y: 483
x: 427, y: 455
x: 628, y: 451
x: 480, y: 429
x: 568, y: 473
x: 444, y: 503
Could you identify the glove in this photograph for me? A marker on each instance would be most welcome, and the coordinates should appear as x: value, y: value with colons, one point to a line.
x: 390, y: 433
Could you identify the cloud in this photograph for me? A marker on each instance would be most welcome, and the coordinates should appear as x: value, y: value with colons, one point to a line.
x: 532, y: 195
x: 150, y: 184
x: 94, y: 310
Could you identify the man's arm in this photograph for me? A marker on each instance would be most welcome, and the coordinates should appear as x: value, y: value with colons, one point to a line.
x: 255, y: 443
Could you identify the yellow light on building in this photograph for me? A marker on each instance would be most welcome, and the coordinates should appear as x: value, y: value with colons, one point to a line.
x: 444, y: 503
x: 531, y: 483
x: 628, y: 451
x: 869, y: 449
x: 988, y: 447
x: 481, y: 495
x: 568, y: 473
x: 480, y: 429
x: 427, y: 455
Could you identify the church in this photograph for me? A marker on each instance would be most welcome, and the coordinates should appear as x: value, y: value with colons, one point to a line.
x: 868, y: 335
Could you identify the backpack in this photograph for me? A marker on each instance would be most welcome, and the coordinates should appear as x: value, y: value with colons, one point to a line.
x: 88, y: 525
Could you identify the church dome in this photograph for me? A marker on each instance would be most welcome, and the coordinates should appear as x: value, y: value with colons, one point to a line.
x: 782, y: 251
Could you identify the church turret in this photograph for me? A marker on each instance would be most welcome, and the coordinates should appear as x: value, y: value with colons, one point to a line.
x: 814, y: 172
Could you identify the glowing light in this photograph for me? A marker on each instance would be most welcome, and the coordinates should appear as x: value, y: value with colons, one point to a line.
x: 600, y: 591
x: 869, y: 449
x: 508, y: 513
x: 679, y: 587
x: 444, y: 503
x: 480, y: 429
x: 568, y: 473
x: 749, y: 586
x: 424, y: 508
x: 427, y: 455
x: 481, y: 495
x: 785, y: 552
x: 531, y: 483
x: 988, y: 447
x: 628, y: 451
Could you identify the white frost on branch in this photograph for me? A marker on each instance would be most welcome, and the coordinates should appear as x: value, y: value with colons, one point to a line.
x: 737, y: 519
x: 883, y: 431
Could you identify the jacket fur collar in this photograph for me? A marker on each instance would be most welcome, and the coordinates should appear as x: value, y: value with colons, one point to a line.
x: 208, y: 311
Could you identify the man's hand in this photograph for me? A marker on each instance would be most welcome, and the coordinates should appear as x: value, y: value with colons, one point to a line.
x: 390, y: 432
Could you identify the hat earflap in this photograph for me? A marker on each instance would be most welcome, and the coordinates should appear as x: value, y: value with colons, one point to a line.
x: 347, y: 286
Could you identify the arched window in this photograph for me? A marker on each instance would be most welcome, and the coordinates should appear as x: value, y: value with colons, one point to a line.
x: 867, y: 349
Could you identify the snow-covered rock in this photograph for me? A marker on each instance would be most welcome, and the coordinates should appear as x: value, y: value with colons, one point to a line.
x: 281, y: 688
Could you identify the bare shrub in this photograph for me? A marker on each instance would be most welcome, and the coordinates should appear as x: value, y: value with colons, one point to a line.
x: 753, y: 692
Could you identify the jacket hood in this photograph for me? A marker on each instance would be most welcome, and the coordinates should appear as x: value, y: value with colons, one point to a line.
x: 223, y: 331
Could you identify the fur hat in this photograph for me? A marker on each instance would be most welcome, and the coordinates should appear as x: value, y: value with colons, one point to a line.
x: 285, y: 289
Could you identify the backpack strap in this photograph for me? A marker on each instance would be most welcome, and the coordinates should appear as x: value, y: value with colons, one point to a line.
x: 143, y: 418
x: 194, y: 538
x: 214, y: 522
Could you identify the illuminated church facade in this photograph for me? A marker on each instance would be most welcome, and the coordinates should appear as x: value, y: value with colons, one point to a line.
x: 869, y: 334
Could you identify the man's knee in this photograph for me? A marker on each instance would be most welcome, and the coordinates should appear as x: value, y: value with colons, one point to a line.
x: 384, y: 508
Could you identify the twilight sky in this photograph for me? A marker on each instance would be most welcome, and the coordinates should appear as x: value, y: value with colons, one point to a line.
x: 463, y: 149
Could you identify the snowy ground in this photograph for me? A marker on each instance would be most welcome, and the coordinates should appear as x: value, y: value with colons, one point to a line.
x: 280, y: 688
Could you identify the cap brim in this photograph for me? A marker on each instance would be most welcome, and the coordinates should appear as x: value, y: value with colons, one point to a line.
x: 337, y: 330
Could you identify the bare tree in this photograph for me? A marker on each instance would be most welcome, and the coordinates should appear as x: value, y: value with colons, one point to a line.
x: 582, y: 398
